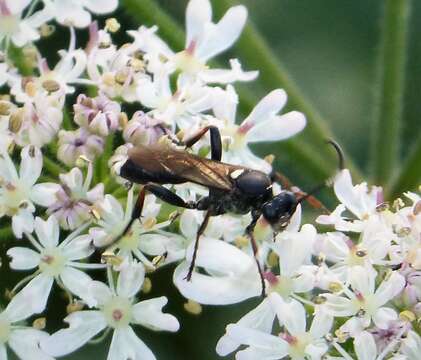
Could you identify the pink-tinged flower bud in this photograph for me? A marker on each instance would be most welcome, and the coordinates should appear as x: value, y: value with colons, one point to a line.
x: 143, y: 129
x: 73, y: 144
x: 99, y: 115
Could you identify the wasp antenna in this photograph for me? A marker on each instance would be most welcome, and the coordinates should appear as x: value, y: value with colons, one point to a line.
x: 339, y: 152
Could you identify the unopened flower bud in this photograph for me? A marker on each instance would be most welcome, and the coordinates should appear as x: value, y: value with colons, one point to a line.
x: 99, y: 115
x: 407, y: 315
x: 193, y: 307
x: 5, y: 107
x: 335, y: 286
x: 39, y: 323
x: 147, y: 286
x: 143, y: 129
x: 74, y: 306
x: 46, y: 30
x: 112, y: 25
x: 51, y: 85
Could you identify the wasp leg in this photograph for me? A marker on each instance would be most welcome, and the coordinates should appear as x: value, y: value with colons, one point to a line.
x: 249, y: 231
x: 196, y: 244
x: 215, y: 141
x: 160, y: 192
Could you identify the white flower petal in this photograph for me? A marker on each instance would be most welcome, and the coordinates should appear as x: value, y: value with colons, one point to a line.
x: 23, y: 258
x: 24, y: 342
x: 100, y: 292
x: 258, y: 339
x: 22, y: 222
x: 216, y: 290
x: 31, y: 164
x: 83, y: 326
x: 198, y: 13
x: 44, y: 194
x: 78, y: 283
x: 254, y: 353
x: 3, y: 352
x: 322, y: 323
x: 290, y: 314
x: 261, y: 318
x: 48, y: 231
x: 79, y: 248
x: 126, y: 345
x: 269, y: 106
x: 339, y: 305
x: 149, y: 314
x: 103, y: 7
x: 298, y: 243
x: 362, y: 280
x: 384, y: 316
x: 130, y: 279
x: 277, y: 128
x: 390, y: 288
x: 221, y: 36
x: 35, y: 294
x: 364, y: 346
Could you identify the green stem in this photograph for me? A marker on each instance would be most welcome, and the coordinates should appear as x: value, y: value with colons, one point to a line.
x: 389, y: 91
x: 409, y: 175
x: 52, y: 167
x: 6, y: 233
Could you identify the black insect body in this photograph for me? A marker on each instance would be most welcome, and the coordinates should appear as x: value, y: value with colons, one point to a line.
x: 232, y: 188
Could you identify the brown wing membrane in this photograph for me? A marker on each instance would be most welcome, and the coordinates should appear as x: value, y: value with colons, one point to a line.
x: 162, y: 159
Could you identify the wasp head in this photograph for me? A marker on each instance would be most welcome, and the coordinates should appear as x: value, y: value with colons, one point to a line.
x: 279, y: 209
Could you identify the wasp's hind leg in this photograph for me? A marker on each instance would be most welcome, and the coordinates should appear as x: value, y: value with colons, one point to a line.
x: 196, y: 244
x: 249, y: 231
x: 215, y: 141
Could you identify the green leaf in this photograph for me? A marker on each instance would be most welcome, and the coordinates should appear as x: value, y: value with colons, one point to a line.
x: 389, y: 89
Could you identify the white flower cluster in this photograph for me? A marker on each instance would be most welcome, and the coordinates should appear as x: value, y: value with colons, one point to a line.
x: 357, y: 282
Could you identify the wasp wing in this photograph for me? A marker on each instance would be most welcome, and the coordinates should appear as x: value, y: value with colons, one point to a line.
x: 180, y: 166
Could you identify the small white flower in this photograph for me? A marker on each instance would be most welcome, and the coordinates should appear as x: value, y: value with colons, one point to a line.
x: 116, y: 72
x: 357, y: 199
x: 117, y: 311
x: 53, y: 83
x: 140, y: 238
x: 204, y: 40
x: 77, y: 12
x: 73, y: 144
x: 18, y: 191
x: 23, y: 340
x: 74, y: 199
x: 55, y: 262
x: 262, y: 124
x: 21, y: 31
x: 365, y: 303
x: 296, y: 274
x: 295, y: 341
